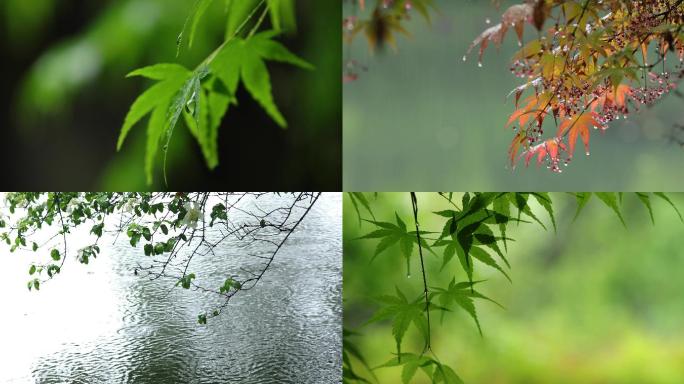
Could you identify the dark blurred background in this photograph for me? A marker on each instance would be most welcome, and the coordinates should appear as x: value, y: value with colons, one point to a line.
x: 64, y: 98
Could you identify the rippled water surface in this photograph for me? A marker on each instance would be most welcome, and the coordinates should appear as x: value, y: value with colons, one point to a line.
x: 101, y: 324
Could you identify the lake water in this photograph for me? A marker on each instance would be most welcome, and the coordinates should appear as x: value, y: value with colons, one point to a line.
x: 100, y: 323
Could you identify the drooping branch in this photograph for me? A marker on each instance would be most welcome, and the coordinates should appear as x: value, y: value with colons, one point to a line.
x: 171, y: 228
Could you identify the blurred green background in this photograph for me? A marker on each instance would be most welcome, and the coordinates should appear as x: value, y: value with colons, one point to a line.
x: 593, y: 303
x: 64, y: 99
x: 441, y: 120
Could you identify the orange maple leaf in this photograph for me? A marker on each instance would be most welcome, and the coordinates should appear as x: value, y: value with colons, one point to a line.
x: 578, y: 125
x: 550, y: 148
x: 616, y: 97
x: 513, y: 150
x: 533, y: 109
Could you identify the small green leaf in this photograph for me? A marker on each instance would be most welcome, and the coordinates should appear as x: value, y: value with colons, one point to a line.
x: 226, y: 65
x: 258, y: 83
x: 55, y: 254
x: 159, y: 248
x: 409, y: 370
x: 32, y: 270
x: 664, y: 197
x: 147, y: 101
x: 53, y: 270
x: 161, y: 71
x: 155, y: 128
x: 97, y: 229
x: 645, y: 199
x: 486, y: 258
x: 610, y: 199
x: 185, y: 96
x: 544, y: 200
x: 237, y: 12
x: 200, y: 8
x: 582, y: 199
x: 273, y: 50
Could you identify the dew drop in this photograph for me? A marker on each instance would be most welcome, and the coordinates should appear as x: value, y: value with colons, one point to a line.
x: 464, y: 57
x: 408, y: 275
x: 587, y: 153
x: 487, y: 20
x: 519, y: 43
x: 479, y: 64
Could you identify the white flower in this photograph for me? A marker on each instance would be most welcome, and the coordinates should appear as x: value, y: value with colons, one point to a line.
x: 73, y: 203
x: 129, y: 206
x: 193, y: 214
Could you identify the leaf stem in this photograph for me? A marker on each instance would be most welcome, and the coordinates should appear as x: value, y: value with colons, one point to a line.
x: 259, y: 22
x: 239, y: 29
x: 414, y: 204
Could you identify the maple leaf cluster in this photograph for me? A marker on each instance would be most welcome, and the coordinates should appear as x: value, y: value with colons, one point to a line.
x: 386, y: 20
x: 593, y: 62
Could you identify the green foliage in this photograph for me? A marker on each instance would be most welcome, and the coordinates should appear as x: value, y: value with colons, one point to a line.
x: 229, y: 284
x: 410, y: 363
x: 204, y: 95
x: 474, y: 229
x: 403, y: 313
x: 391, y: 234
x: 351, y: 351
x: 244, y: 59
x: 186, y: 281
x: 461, y: 294
x: 202, y: 318
x: 218, y: 212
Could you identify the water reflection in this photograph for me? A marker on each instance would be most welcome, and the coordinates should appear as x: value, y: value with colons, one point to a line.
x: 101, y: 324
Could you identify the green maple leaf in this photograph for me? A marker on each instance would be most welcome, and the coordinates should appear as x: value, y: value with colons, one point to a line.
x: 244, y: 60
x: 461, y: 294
x: 161, y: 100
x: 403, y: 313
x: 391, y: 234
x: 200, y: 99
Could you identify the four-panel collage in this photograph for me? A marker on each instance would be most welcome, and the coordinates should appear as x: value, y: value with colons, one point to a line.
x: 548, y: 263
